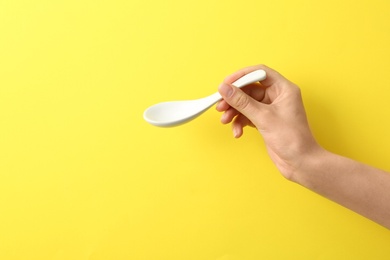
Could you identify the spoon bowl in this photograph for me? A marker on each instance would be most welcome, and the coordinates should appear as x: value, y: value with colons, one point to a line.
x: 174, y: 113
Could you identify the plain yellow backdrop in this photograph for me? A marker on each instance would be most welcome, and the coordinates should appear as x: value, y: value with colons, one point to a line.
x: 82, y: 176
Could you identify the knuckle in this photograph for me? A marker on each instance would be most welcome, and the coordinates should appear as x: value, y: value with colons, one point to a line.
x: 297, y: 91
x: 241, y: 102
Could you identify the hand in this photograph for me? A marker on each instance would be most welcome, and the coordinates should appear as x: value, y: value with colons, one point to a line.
x: 275, y: 108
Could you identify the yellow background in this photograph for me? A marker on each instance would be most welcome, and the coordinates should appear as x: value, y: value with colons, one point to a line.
x: 82, y: 176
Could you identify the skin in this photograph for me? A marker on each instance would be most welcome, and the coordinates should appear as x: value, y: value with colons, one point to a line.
x: 275, y: 108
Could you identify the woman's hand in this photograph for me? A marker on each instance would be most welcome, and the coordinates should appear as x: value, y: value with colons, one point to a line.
x: 275, y: 108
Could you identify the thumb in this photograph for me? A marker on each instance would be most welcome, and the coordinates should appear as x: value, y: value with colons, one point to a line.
x: 239, y: 100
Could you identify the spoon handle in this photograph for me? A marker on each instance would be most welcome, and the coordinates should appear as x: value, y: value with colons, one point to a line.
x: 252, y: 77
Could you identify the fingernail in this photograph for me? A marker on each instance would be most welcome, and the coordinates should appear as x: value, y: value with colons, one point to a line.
x: 235, y: 132
x: 217, y: 106
x: 225, y: 90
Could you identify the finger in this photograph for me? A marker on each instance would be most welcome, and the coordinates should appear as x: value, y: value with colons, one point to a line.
x: 238, y: 125
x: 228, y: 116
x: 256, y: 91
x: 239, y: 100
x: 222, y: 106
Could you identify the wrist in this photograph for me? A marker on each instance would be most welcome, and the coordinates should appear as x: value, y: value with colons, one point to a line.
x: 312, y: 163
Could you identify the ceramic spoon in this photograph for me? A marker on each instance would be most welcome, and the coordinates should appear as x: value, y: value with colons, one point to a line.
x: 175, y: 113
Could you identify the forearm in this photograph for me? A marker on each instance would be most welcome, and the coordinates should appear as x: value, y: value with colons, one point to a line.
x: 359, y: 187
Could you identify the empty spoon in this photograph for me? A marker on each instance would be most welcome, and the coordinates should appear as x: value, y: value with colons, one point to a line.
x: 175, y: 113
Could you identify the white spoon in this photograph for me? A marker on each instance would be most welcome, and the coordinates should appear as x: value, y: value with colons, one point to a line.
x: 175, y: 113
